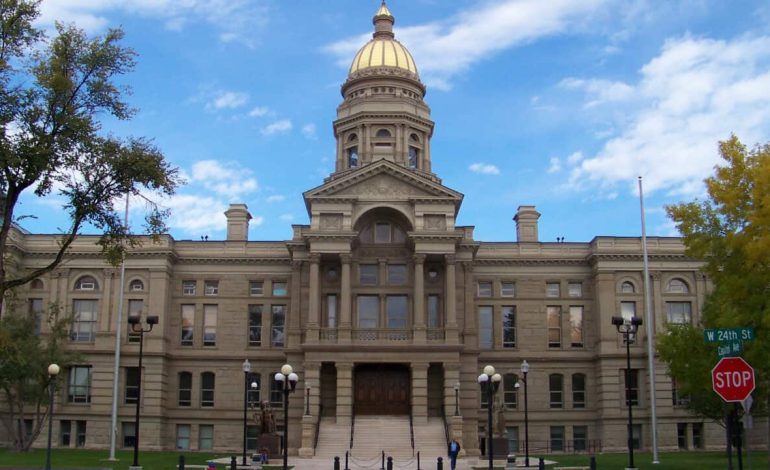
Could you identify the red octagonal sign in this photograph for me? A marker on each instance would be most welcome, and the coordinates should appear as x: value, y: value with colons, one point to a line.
x: 733, y: 379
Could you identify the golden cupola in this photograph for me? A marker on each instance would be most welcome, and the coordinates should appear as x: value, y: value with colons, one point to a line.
x: 383, y: 50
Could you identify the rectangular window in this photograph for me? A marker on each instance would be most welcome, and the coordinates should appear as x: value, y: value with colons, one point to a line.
x: 331, y: 311
x: 276, y: 393
x: 434, y: 311
x: 578, y: 391
x: 485, y: 289
x: 631, y: 390
x: 80, y: 436
x: 681, y: 435
x: 255, y: 325
x: 253, y: 396
x: 507, y: 289
x: 396, y: 311
x: 576, y: 326
x: 208, y: 383
x: 256, y: 288
x: 509, y: 326
x: 697, y: 435
x: 513, y: 439
x: 210, y: 325
x: 368, y: 311
x: 183, y: 436
x: 552, y: 290
x: 627, y: 310
x: 486, y: 336
x: 636, y: 436
x: 188, y: 287
x: 185, y: 389
x: 510, y: 389
x: 210, y: 287
x: 205, y: 437
x: 278, y: 324
x: 252, y: 434
x: 188, y: 324
x: 677, y: 399
x: 679, y: 312
x: 36, y: 311
x: 396, y: 274
x: 579, y: 438
x: 575, y: 289
x: 557, y: 438
x: 280, y: 289
x: 84, y: 321
x: 79, y: 386
x: 553, y: 319
x: 367, y: 274
x: 556, y: 390
x: 65, y: 432
x: 135, y: 307
x: 128, y: 430
x: 132, y: 385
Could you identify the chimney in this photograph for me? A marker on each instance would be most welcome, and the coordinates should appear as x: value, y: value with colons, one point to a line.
x: 238, y: 222
x: 526, y: 224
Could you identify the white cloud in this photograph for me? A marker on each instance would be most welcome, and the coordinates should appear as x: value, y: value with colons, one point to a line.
x: 259, y: 111
x: 227, y: 100
x: 602, y: 91
x: 195, y: 214
x: 256, y: 221
x: 278, y: 127
x: 276, y: 198
x: 286, y: 217
x: 695, y: 92
x: 443, y: 49
x: 308, y: 130
x: 225, y: 179
x: 484, y: 169
x: 554, y: 165
x: 575, y: 158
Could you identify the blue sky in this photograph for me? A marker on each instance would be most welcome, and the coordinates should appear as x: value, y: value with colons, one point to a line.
x: 559, y: 104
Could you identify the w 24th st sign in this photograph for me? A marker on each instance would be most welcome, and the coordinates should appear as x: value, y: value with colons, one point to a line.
x: 733, y: 379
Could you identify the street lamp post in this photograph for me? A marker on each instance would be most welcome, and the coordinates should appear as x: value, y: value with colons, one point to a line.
x: 524, y: 372
x: 246, y: 367
x: 628, y: 328
x: 307, y: 399
x: 136, y: 326
x: 289, y: 380
x: 489, y: 381
x: 457, y: 398
x: 53, y: 371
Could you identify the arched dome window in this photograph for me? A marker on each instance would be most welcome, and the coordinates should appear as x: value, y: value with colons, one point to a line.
x: 383, y: 133
x: 414, y: 138
x: 86, y: 283
x: 136, y: 285
x: 353, y: 138
x: 627, y: 287
x: 36, y: 284
x: 677, y: 286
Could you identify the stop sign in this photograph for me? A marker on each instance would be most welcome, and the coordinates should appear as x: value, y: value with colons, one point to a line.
x: 733, y: 379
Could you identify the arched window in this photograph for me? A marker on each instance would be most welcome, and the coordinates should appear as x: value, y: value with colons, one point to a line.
x: 677, y: 286
x: 414, y: 138
x: 136, y: 285
x: 185, y: 389
x: 36, y: 284
x: 353, y: 157
x: 578, y: 390
x: 627, y: 287
x: 556, y: 390
x: 86, y: 283
x: 510, y: 382
x: 383, y: 133
x: 352, y: 138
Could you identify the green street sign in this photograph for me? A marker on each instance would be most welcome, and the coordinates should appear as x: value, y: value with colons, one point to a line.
x: 730, y: 349
x: 721, y: 335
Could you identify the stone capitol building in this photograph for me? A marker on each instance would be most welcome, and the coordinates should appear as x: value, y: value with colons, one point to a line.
x: 385, y: 307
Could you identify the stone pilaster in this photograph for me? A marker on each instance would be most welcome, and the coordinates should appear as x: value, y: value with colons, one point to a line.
x: 420, y: 392
x: 419, y: 299
x: 311, y: 333
x: 343, y: 331
x: 450, y: 301
x: 344, y: 392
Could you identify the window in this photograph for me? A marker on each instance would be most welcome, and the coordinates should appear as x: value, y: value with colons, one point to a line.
x: 557, y: 438
x: 280, y: 289
x: 255, y: 325
x: 383, y: 133
x: 368, y: 311
x: 132, y: 386
x: 129, y: 433
x: 485, y: 289
x: 65, y: 432
x: 507, y: 289
x: 576, y: 326
x: 627, y: 310
x: 677, y: 399
x: 136, y: 286
x: 188, y: 324
x: 513, y: 439
x: 414, y: 155
x: 252, y: 434
x: 579, y: 438
x: 353, y: 157
x: 183, y: 436
x: 256, y: 288
x: 367, y: 274
x: 578, y: 390
x: 86, y: 283
x: 135, y: 308
x: 509, y: 326
x: 205, y: 437
x: 679, y: 313
x: 188, y: 287
x: 485, y: 327
x: 396, y: 274
x: 681, y: 435
x: 253, y: 395
x: 382, y: 232
x: 79, y: 386
x: 434, y: 311
x: 37, y: 284
x: 210, y: 325
x: 210, y: 287
x: 677, y: 286
x: 276, y: 393
x: 627, y: 287
x: 553, y: 319
x: 697, y: 435
x: 509, y: 390
x: 331, y: 311
x: 36, y: 312
x: 575, y: 289
x: 84, y: 321
x: 552, y: 289
x: 185, y: 389
x: 556, y: 390
x: 636, y: 436
x: 278, y: 321
x: 396, y: 311
x: 207, y: 389
x: 80, y: 436
x: 632, y: 387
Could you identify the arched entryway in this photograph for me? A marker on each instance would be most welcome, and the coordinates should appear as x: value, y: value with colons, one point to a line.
x: 381, y: 389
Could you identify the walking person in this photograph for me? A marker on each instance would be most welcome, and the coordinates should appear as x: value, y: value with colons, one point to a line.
x: 454, y: 450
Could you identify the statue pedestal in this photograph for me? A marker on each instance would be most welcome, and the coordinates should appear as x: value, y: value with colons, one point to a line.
x: 499, y: 448
x: 271, y: 443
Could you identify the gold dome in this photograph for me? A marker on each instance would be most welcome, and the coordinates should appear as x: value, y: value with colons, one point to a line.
x: 383, y: 50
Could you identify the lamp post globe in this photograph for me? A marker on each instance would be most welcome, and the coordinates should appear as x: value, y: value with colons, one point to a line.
x: 628, y: 328
x: 489, y: 381
x: 53, y: 371
x: 524, y: 372
x: 246, y: 368
x: 289, y: 380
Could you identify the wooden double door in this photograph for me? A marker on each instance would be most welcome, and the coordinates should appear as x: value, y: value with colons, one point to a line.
x: 381, y: 389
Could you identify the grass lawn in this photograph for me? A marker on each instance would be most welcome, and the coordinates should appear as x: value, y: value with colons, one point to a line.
x: 668, y: 461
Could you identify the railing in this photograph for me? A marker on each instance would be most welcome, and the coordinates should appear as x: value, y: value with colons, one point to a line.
x: 318, y: 426
x: 377, y: 334
x: 352, y: 427
x: 411, y: 430
x: 327, y: 334
x: 434, y: 334
x: 446, y: 427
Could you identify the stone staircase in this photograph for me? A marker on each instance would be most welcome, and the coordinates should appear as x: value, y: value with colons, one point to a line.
x: 375, y: 434
x: 333, y: 439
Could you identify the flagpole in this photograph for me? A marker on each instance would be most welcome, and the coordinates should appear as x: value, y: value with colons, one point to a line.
x: 116, y: 370
x: 650, y: 330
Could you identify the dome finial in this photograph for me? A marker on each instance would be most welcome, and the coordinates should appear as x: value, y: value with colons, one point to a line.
x: 383, y: 21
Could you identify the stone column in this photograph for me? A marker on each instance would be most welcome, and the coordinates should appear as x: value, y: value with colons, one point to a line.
x: 420, y: 392
x: 343, y: 331
x: 450, y: 301
x: 470, y: 314
x: 294, y: 336
x: 344, y: 392
x: 419, y: 299
x: 451, y: 377
x: 658, y: 306
x: 341, y: 156
x: 313, y: 303
x: 312, y: 373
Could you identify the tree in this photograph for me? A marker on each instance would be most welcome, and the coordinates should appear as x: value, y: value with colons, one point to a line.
x: 52, y: 96
x: 730, y: 232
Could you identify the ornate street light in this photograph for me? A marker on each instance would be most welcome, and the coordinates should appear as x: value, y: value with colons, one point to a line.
x: 289, y: 380
x: 246, y: 367
x: 628, y: 328
x: 489, y: 381
x: 524, y: 372
x: 53, y: 371
x: 136, y: 326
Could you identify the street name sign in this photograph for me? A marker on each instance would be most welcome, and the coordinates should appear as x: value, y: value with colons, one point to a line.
x: 719, y: 335
x: 733, y: 379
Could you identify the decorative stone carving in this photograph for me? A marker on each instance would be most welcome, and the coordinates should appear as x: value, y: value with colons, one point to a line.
x: 435, y: 222
x: 381, y: 186
x: 331, y: 222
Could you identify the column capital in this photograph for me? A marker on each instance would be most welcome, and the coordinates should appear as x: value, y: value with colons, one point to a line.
x: 346, y: 258
x: 655, y: 275
x: 343, y: 365
x: 419, y: 366
x: 467, y: 266
x: 296, y: 264
x: 700, y: 276
x: 315, y: 258
x: 419, y: 258
x: 450, y: 259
